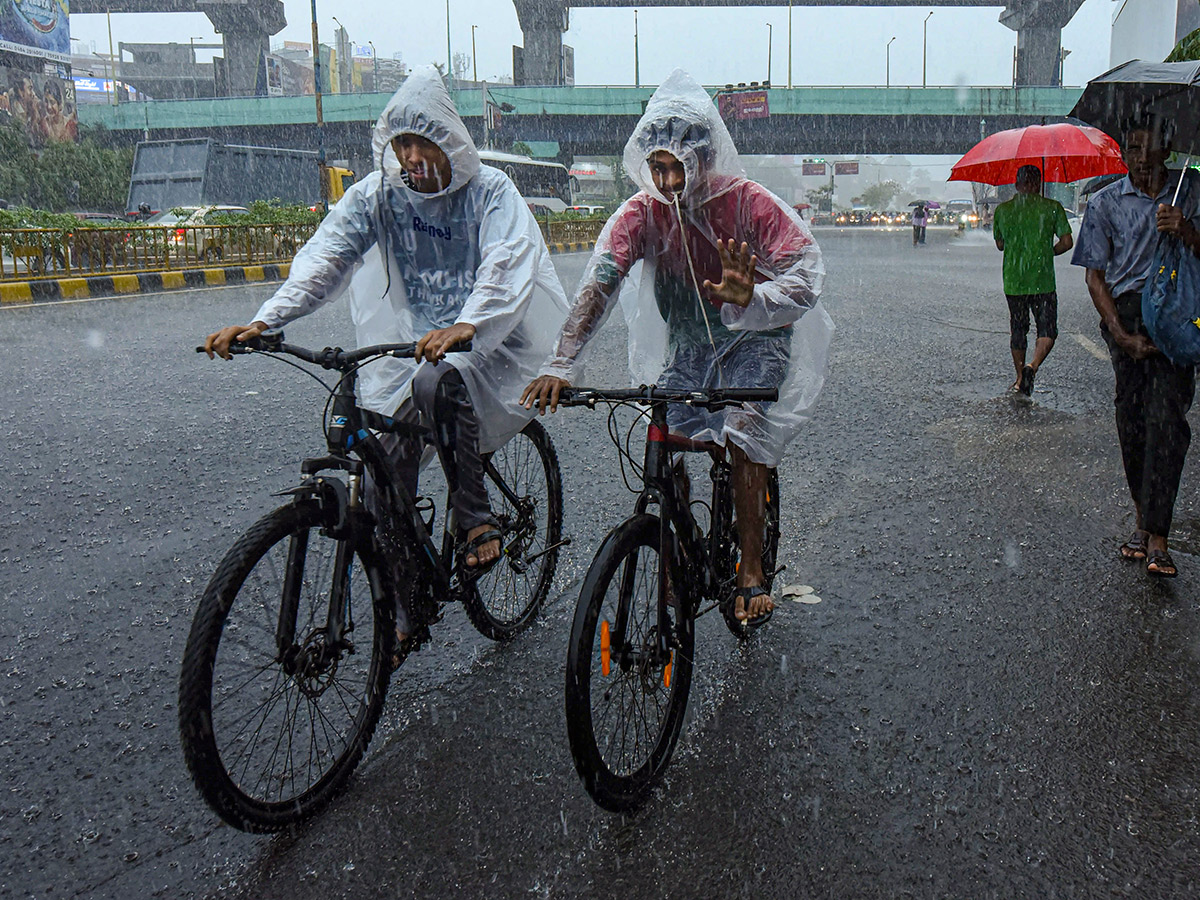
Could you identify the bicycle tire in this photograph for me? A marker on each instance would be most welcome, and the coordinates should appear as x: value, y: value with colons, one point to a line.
x: 617, y: 781
x: 770, y: 556
x: 222, y: 666
x: 505, y: 601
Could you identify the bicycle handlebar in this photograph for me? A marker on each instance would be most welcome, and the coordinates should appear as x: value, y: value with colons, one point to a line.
x: 648, y: 395
x: 330, y: 357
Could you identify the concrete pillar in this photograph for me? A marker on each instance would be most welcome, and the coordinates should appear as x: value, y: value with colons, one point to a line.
x: 543, y: 23
x: 244, y: 51
x: 1039, y: 51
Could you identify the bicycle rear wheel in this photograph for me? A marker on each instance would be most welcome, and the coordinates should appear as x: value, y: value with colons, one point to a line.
x: 625, y: 704
x: 504, y: 601
x: 268, y: 735
x: 770, y: 554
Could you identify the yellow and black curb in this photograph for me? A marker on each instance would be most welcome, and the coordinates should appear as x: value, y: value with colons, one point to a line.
x: 571, y: 247
x: 83, y: 288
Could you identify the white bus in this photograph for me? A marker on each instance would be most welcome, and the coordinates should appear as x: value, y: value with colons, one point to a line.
x: 546, y: 186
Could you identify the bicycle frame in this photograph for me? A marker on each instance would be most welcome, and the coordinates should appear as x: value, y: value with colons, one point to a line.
x: 681, y: 545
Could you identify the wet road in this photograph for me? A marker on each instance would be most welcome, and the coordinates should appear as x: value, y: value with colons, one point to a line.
x: 985, y: 703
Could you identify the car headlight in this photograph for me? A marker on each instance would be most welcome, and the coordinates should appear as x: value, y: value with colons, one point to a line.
x: 963, y: 218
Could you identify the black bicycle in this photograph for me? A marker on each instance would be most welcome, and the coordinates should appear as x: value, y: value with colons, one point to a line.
x: 629, y: 662
x: 294, y: 641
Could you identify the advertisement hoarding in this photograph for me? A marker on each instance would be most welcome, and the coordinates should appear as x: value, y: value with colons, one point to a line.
x: 743, y: 105
x: 36, y: 28
x: 43, y: 104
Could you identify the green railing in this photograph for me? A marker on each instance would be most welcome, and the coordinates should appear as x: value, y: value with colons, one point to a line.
x: 36, y: 253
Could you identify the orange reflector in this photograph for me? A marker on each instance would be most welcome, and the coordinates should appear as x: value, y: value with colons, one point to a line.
x: 667, y: 670
x: 605, y: 659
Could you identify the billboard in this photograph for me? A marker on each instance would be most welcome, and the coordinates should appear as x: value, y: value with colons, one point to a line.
x: 36, y: 28
x: 845, y: 168
x: 43, y: 104
x: 743, y: 105
x: 812, y: 168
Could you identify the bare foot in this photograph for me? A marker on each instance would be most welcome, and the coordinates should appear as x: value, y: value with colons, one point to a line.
x: 759, y: 604
x: 487, y: 552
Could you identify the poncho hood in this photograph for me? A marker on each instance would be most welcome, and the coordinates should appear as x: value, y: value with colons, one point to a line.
x: 422, y: 106
x: 680, y: 118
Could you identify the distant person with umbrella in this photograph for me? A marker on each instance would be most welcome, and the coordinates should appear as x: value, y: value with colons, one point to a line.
x: 919, y: 220
x: 1117, y: 241
x: 1030, y: 230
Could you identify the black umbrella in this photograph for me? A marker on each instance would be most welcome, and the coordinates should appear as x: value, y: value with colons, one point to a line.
x: 1100, y: 181
x: 1137, y: 90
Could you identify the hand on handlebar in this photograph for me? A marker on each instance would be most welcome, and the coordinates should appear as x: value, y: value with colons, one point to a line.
x: 542, y: 390
x: 434, y: 346
x: 218, y: 342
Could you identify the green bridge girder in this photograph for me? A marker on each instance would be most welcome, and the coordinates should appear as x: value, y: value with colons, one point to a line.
x: 597, y: 120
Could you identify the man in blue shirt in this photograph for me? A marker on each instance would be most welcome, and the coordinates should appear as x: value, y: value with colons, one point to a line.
x: 1116, y: 245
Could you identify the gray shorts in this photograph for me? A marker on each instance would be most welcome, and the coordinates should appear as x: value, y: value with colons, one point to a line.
x: 749, y: 359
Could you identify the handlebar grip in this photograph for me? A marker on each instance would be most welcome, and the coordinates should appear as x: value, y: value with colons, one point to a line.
x: 268, y: 341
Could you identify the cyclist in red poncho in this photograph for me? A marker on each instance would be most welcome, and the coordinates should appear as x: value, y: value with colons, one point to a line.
x: 721, y: 280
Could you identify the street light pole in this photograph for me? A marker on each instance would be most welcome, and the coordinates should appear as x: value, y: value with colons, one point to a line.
x: 192, y: 45
x: 474, y: 61
x: 449, y: 58
x: 637, y: 71
x: 888, y: 63
x: 789, y: 43
x: 342, y: 61
x: 316, y: 50
x: 924, y: 46
x: 770, y: 43
x: 375, y: 60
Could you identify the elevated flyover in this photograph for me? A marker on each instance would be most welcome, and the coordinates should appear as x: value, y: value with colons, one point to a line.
x: 1038, y: 24
x: 245, y: 27
x: 588, y: 121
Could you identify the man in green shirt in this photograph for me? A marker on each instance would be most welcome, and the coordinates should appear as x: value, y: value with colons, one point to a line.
x: 1031, y: 230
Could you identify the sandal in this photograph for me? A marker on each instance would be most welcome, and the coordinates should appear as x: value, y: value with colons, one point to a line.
x: 1027, y: 375
x: 747, y: 594
x: 471, y: 548
x: 1135, y: 547
x: 1160, y: 565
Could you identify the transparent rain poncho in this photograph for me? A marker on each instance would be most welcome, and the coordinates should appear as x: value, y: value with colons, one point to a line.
x: 469, y: 253
x: 679, y: 335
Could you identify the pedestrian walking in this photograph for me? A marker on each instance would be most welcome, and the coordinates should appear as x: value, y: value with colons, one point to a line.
x: 919, y: 220
x: 1116, y: 245
x: 1030, y: 230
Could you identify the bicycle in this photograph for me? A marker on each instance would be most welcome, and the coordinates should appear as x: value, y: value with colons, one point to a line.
x: 629, y: 660
x: 293, y: 644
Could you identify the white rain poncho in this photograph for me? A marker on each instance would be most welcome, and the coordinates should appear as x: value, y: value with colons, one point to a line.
x: 680, y: 336
x: 469, y: 253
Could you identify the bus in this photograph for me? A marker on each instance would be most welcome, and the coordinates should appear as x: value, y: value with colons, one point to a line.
x: 546, y: 186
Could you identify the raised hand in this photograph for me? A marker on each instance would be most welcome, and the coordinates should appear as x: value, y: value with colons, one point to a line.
x: 737, y: 274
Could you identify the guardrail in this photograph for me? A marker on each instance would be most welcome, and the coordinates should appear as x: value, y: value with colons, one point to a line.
x: 30, y: 254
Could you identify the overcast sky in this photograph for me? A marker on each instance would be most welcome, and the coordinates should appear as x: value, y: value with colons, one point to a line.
x: 830, y: 45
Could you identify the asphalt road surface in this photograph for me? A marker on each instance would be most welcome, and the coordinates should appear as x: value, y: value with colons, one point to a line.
x: 986, y: 703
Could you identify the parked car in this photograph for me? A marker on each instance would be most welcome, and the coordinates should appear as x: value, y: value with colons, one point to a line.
x: 190, y: 239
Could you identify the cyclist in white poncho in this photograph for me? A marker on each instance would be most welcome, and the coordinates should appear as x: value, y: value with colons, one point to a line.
x: 721, y: 285
x: 457, y: 256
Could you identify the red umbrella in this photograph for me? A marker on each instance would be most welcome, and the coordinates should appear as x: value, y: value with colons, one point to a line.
x: 1063, y: 152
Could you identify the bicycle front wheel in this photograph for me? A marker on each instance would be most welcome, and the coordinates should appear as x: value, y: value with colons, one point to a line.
x: 525, y: 491
x: 271, y: 733
x: 625, y: 699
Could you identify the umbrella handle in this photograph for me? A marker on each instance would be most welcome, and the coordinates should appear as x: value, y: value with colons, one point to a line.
x: 1187, y: 162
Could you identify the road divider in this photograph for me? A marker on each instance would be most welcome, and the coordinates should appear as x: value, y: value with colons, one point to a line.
x: 44, y: 290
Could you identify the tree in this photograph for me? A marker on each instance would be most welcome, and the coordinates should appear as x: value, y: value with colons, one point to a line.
x: 17, y: 166
x: 1187, y: 49
x: 462, y: 63
x: 520, y: 148
x: 821, y: 198
x: 879, y: 196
